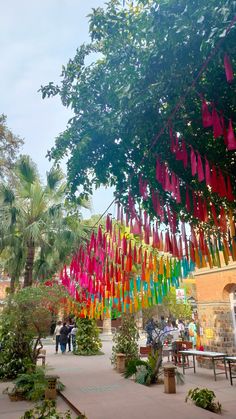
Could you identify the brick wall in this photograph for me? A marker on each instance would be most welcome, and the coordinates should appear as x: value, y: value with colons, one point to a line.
x: 214, y: 308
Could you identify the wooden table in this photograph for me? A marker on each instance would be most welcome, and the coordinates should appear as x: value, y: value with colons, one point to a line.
x: 214, y: 356
x: 231, y: 360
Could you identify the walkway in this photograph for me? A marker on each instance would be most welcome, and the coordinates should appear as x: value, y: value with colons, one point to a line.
x: 96, y: 389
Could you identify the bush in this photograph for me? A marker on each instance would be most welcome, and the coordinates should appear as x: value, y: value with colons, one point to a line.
x: 24, y: 321
x: 125, y: 339
x: 32, y: 386
x: 47, y: 410
x: 87, y: 337
x: 204, y: 398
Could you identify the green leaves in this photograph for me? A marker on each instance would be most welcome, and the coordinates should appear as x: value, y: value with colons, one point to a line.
x: 204, y: 398
x: 25, y: 319
x: 146, y: 58
x: 10, y: 146
x: 37, y: 222
x: 87, y: 337
x: 125, y: 339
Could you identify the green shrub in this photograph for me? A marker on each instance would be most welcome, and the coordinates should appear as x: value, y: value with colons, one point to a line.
x: 25, y: 319
x: 32, y: 385
x: 131, y: 367
x: 47, y: 410
x: 204, y: 398
x: 125, y: 339
x: 87, y: 337
x: 144, y: 371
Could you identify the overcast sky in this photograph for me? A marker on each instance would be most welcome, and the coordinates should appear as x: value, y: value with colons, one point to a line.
x: 36, y: 38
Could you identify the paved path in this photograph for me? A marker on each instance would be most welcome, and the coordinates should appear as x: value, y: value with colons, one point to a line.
x: 14, y: 410
x: 96, y: 389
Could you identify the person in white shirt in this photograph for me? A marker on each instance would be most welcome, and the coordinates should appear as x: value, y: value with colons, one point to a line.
x: 174, y: 332
x: 73, y: 336
x: 56, y: 334
x: 181, y: 328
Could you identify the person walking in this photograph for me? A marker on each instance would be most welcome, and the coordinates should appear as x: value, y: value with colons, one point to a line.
x: 162, y: 323
x: 64, y: 337
x: 150, y: 326
x: 181, y: 328
x: 73, y: 336
x: 192, y: 330
x: 70, y: 326
x: 174, y: 332
x: 56, y: 334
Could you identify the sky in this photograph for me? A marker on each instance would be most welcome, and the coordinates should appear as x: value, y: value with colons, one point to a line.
x: 37, y: 37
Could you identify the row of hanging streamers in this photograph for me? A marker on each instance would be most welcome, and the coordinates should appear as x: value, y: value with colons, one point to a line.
x: 213, y: 176
x: 177, y: 246
x: 139, y: 294
x: 115, y: 270
x: 211, y: 118
x: 198, y: 205
x: 169, y: 181
x: 205, y: 248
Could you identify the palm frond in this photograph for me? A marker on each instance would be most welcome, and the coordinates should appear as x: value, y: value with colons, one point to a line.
x: 7, y: 196
x: 54, y: 178
x: 26, y: 170
x: 132, y: 365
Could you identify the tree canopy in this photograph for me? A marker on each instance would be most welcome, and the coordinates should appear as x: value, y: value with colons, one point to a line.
x: 10, y: 145
x: 39, y: 228
x: 140, y: 100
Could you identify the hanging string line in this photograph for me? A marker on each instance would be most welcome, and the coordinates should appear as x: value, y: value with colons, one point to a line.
x: 177, y: 106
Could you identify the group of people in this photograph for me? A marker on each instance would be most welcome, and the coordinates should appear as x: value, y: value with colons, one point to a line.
x: 65, y: 335
x: 172, y: 329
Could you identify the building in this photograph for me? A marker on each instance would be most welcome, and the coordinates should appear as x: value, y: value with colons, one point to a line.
x: 216, y: 302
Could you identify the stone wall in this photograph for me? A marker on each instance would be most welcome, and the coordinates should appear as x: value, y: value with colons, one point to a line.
x: 214, y: 308
x: 217, y: 324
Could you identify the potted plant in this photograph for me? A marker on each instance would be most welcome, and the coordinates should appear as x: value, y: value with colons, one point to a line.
x: 203, y: 397
x: 125, y: 342
x: 88, y: 341
x: 47, y: 410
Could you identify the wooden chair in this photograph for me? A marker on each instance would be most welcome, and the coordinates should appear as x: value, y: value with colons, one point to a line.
x: 180, y: 346
x: 144, y: 351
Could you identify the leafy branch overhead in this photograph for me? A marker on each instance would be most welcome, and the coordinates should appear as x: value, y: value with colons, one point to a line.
x: 123, y: 88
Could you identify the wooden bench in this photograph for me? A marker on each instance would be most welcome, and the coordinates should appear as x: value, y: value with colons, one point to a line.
x: 144, y: 351
x: 42, y: 355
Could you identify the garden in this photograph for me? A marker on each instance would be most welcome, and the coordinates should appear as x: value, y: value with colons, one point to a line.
x: 152, y: 96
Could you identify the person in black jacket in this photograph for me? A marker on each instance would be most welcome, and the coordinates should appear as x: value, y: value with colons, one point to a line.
x: 64, y: 337
x: 70, y: 326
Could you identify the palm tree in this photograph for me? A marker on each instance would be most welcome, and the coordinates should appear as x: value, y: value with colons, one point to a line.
x: 39, y: 228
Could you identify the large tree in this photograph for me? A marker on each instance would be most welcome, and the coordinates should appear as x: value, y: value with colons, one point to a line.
x: 39, y: 228
x: 10, y: 145
x: 153, y: 61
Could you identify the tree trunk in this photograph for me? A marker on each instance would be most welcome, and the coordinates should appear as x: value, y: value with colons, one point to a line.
x: 28, y: 274
x: 12, y: 285
x: 158, y: 363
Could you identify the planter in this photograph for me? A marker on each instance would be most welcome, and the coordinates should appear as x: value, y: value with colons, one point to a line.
x: 169, y: 378
x: 15, y: 397
x: 51, y: 390
x: 120, y: 362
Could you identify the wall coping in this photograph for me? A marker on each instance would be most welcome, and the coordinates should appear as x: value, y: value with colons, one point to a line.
x: 214, y: 303
x: 208, y: 271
